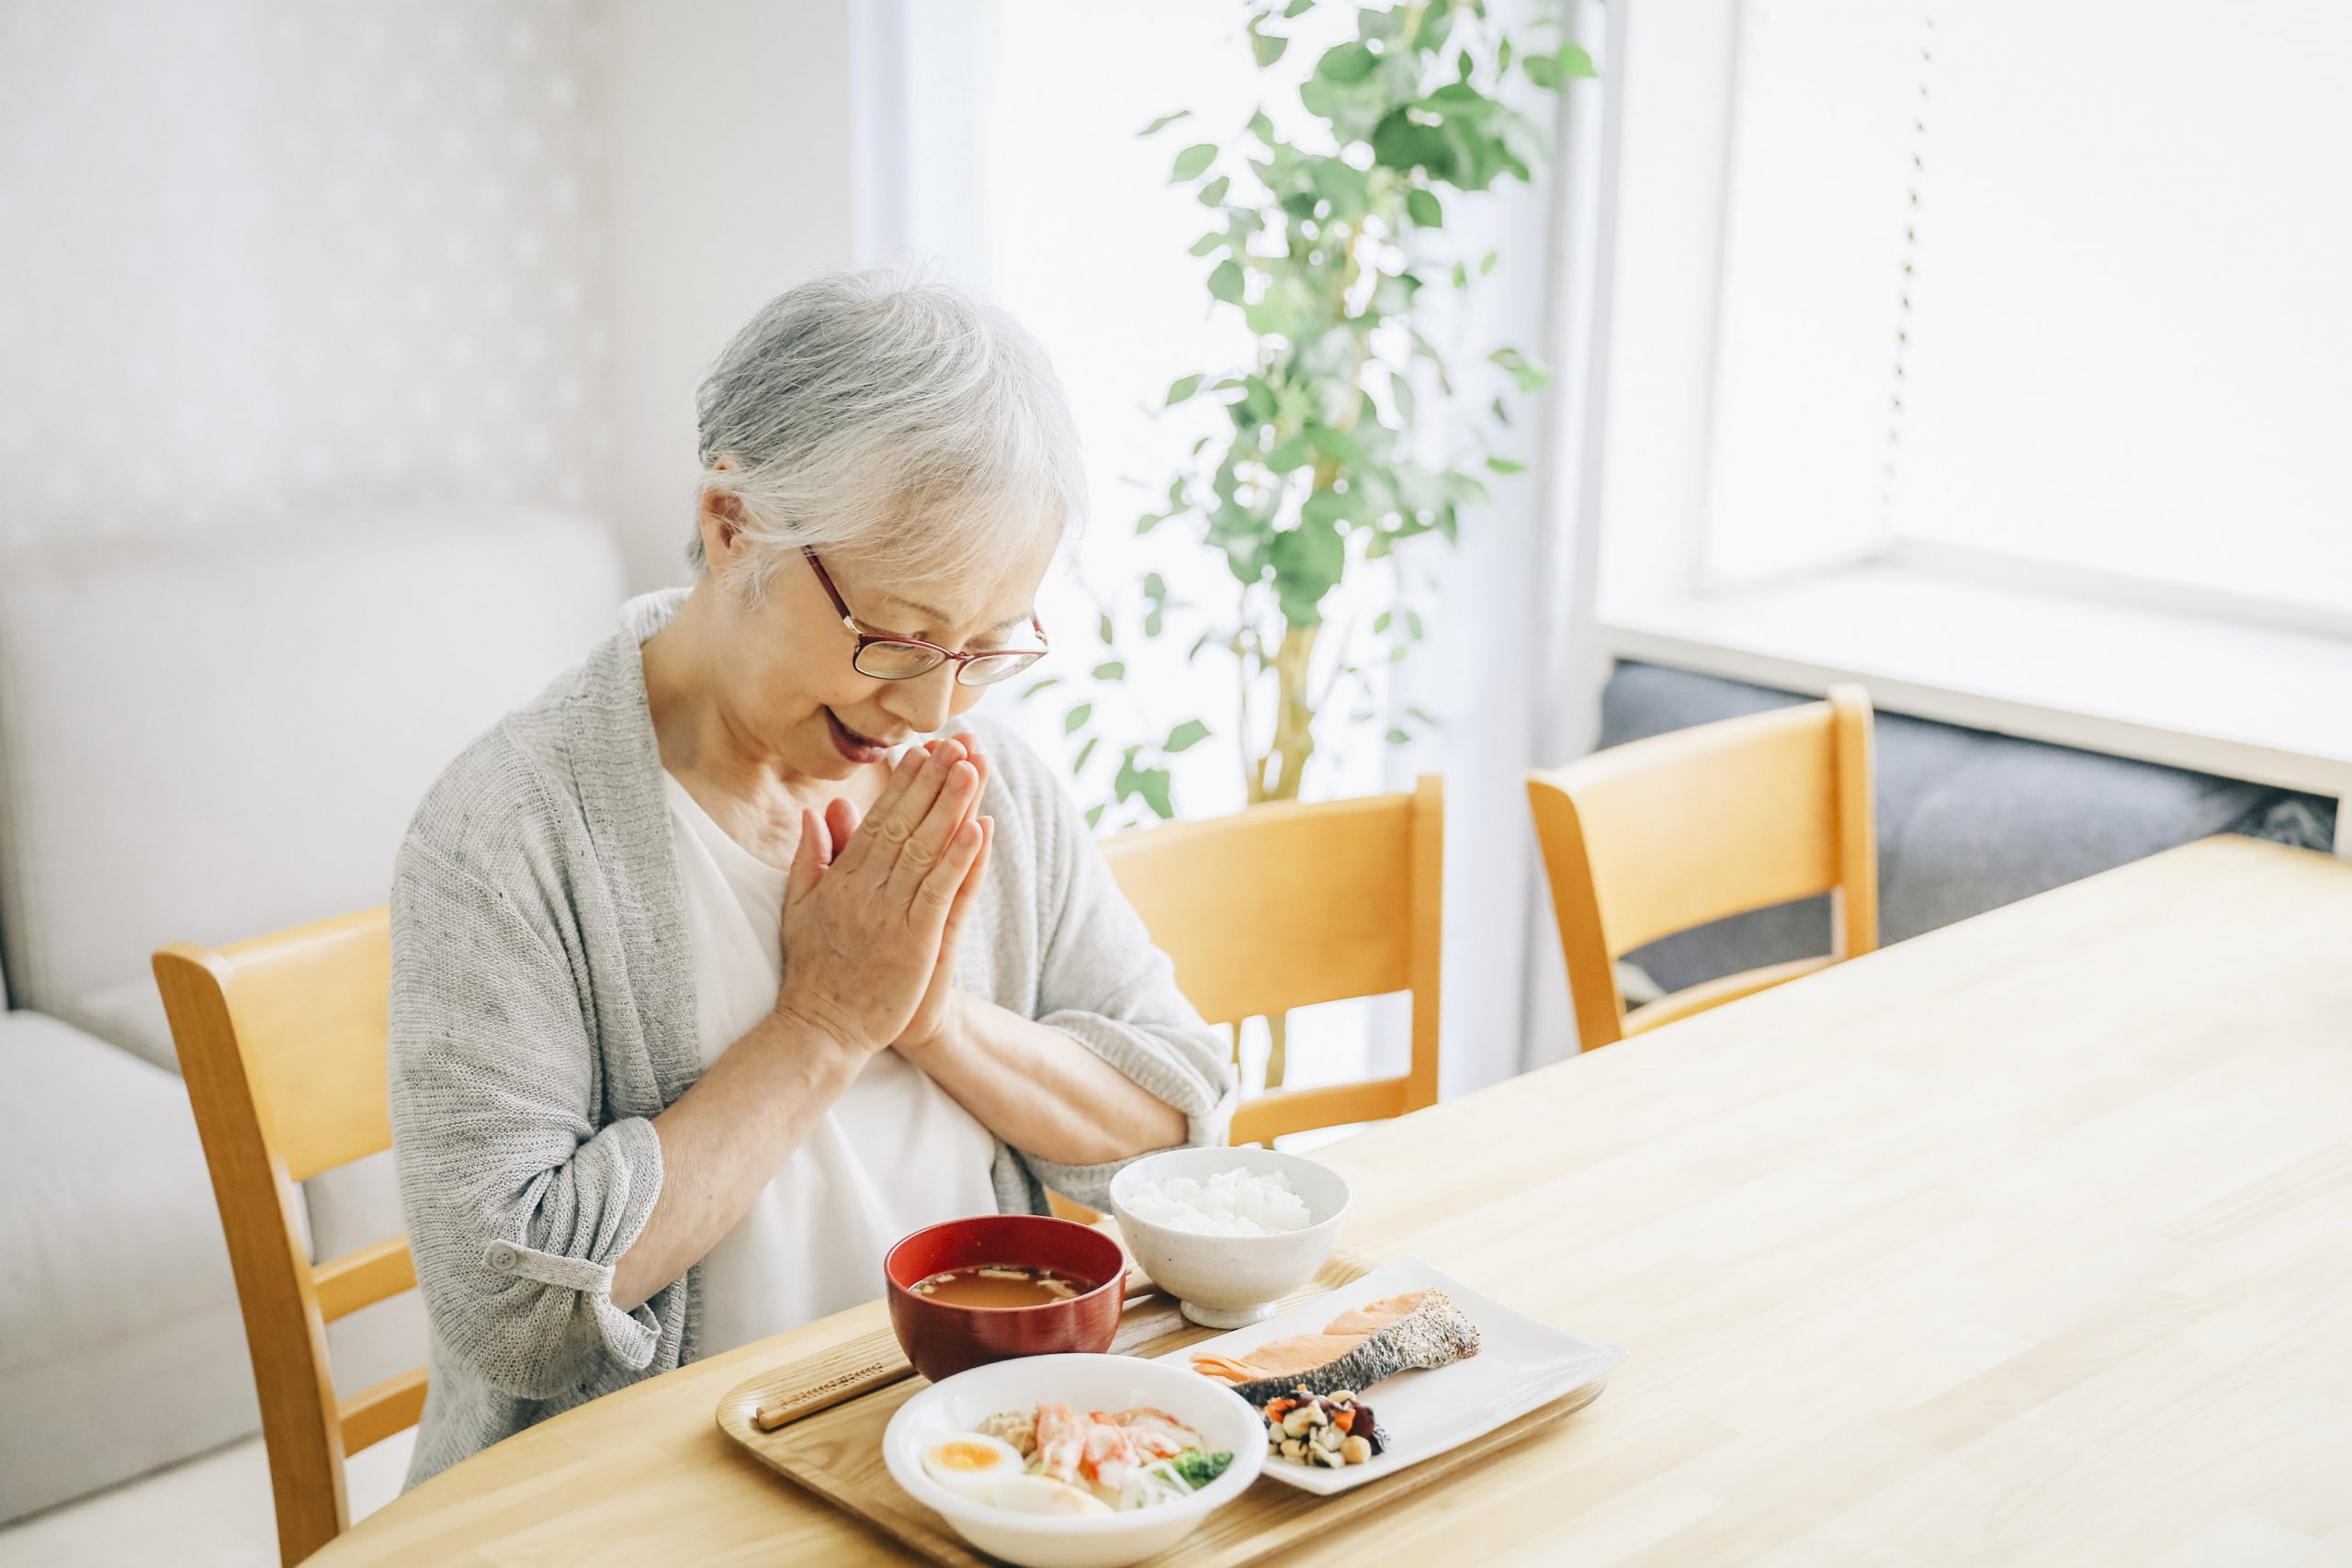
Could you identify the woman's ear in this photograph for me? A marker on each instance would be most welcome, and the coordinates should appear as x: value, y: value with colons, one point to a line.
x: 723, y: 523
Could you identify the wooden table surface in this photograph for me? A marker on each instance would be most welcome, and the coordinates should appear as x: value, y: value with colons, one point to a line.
x: 2028, y: 1241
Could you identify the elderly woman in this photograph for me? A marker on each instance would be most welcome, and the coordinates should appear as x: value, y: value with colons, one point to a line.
x: 711, y: 977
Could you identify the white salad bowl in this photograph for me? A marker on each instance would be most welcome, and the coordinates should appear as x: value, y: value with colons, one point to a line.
x: 1085, y: 1383
x: 1231, y: 1281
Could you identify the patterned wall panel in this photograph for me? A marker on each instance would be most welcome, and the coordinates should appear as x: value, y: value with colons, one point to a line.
x: 268, y: 255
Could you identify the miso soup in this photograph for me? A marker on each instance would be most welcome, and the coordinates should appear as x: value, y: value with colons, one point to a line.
x: 1000, y: 1285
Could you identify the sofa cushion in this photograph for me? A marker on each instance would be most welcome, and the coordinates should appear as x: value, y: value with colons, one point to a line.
x: 219, y: 733
x: 117, y: 1295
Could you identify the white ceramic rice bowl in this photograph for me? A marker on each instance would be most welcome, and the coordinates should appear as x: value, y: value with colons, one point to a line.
x: 1083, y: 1383
x: 1229, y: 1281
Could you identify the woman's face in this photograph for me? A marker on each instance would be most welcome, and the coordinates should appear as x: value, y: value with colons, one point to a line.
x: 786, y: 684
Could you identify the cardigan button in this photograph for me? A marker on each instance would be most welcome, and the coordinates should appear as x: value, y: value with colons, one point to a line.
x: 503, y: 1255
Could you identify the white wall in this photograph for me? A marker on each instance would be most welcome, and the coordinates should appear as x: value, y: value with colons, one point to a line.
x: 728, y: 181
x: 257, y: 256
x: 260, y: 257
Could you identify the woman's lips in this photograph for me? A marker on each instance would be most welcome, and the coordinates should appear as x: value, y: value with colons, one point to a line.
x: 851, y: 744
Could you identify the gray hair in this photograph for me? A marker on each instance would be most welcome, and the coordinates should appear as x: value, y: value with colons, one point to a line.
x: 887, y: 414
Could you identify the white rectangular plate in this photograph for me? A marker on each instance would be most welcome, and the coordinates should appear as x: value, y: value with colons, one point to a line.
x: 1521, y: 1364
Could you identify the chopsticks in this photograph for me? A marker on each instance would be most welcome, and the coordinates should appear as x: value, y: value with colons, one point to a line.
x: 859, y: 1367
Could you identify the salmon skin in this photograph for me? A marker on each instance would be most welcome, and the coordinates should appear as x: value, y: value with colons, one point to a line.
x: 1358, y: 1350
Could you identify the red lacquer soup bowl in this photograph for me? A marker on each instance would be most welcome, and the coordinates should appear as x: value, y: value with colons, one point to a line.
x: 943, y: 1338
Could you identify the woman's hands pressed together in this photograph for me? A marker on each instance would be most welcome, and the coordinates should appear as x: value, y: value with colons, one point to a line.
x: 873, y: 910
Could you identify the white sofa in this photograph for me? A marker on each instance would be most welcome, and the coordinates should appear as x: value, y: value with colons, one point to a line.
x: 205, y: 736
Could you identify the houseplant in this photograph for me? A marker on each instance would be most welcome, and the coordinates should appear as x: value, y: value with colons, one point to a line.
x: 1330, y: 240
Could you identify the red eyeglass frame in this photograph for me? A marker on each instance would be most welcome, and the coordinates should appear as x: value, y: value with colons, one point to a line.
x: 962, y: 661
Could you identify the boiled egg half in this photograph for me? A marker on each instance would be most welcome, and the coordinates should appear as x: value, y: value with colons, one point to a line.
x: 1044, y: 1494
x: 971, y: 1463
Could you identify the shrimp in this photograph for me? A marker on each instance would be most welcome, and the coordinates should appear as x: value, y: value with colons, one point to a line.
x: 1156, y: 1434
x: 1110, y: 1451
x: 1061, y: 1441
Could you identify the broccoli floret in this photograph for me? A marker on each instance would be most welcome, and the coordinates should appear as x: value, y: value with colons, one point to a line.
x: 1196, y: 1466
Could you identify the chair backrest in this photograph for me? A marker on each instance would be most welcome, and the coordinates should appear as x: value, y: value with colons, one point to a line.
x: 1657, y: 836
x: 1286, y: 905
x: 282, y: 1042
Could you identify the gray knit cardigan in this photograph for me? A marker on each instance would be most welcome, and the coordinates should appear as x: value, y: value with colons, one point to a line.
x: 543, y: 1008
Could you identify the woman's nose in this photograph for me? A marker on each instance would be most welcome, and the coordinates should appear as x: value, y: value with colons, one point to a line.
x: 927, y: 701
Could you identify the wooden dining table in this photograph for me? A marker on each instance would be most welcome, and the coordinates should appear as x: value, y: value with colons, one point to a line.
x: 2025, y: 1241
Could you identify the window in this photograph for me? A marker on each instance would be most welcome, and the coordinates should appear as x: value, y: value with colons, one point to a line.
x: 2052, y: 283
x: 1996, y: 355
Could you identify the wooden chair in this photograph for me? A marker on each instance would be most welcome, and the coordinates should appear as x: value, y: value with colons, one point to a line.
x: 282, y: 1042
x: 1286, y: 905
x: 1657, y: 836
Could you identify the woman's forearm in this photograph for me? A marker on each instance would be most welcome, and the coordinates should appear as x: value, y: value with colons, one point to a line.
x: 1041, y: 1090
x: 725, y: 1138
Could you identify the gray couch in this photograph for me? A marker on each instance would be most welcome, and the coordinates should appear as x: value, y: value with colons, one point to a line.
x: 1967, y: 821
x: 206, y: 736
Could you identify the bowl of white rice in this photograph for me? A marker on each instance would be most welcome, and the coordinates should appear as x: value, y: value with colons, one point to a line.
x: 1228, y: 1232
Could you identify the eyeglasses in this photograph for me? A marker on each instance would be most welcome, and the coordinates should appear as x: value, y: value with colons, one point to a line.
x: 904, y: 658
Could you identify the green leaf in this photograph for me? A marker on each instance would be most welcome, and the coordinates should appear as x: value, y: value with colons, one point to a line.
x: 1397, y: 737
x: 1261, y: 128
x: 1213, y: 192
x: 1436, y: 23
x: 1461, y: 100
x: 1290, y: 456
x: 1347, y: 64
x: 1332, y: 442
x: 1268, y: 48
x: 1298, y: 7
x: 1224, y: 283
x: 1308, y: 561
x: 1556, y: 68
x: 1530, y: 377
x: 1163, y: 122
x: 1155, y: 587
x: 1192, y: 161
x: 1103, y: 629
x: 1035, y: 687
x: 1214, y: 239
x: 1506, y: 466
x: 1152, y: 783
x: 1185, y: 736
x: 1094, y: 816
x: 1085, y: 753
x: 1109, y: 670
x: 1400, y: 142
x: 1154, y: 622
x: 1076, y: 718
x: 1344, y: 187
x: 1327, y: 506
x: 1181, y: 387
x: 1422, y: 206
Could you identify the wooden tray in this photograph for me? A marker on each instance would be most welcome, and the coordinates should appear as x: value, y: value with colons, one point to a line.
x: 836, y: 1453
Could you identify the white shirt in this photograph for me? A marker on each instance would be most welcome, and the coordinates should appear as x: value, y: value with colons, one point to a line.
x: 893, y: 1155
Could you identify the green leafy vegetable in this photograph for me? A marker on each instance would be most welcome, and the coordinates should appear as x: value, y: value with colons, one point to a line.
x: 1197, y: 1467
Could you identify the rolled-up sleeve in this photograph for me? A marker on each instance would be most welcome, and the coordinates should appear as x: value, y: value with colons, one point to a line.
x: 1104, y: 984
x: 518, y: 1200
